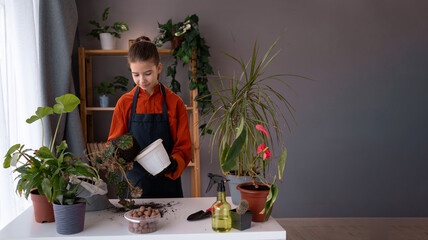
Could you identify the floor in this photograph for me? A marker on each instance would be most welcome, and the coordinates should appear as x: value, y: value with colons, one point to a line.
x: 355, y: 228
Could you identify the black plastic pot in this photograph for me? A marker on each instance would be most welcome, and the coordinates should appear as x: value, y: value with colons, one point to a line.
x: 241, y: 222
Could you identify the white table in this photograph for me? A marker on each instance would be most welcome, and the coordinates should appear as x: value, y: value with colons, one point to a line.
x: 107, y: 224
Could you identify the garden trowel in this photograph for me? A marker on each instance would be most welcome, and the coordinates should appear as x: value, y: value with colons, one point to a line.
x: 199, y: 215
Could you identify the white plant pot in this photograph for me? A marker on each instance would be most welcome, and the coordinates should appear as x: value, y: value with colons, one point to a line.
x: 108, y: 41
x: 154, y: 158
x: 104, y: 101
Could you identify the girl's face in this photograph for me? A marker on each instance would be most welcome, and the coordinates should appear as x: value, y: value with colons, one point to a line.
x: 145, y: 74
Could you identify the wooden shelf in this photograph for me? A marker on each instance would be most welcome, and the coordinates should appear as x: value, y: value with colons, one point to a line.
x: 100, y: 109
x: 86, y: 109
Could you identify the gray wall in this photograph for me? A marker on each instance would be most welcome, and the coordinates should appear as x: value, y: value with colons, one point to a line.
x: 359, y: 148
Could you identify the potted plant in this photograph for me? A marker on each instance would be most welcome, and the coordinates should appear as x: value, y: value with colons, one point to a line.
x: 107, y: 33
x: 115, y: 160
x: 241, y: 107
x: 49, y: 168
x: 109, y: 88
x: 190, y: 47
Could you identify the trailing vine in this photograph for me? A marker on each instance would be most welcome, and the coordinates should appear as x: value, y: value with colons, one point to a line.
x: 188, y: 46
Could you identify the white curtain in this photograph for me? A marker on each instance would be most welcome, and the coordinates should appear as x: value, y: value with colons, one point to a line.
x: 20, y: 93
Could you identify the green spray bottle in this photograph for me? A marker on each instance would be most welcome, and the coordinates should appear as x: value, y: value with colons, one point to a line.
x: 221, y: 219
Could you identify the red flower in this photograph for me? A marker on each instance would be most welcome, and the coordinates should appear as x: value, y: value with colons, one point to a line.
x: 266, y: 152
x: 262, y: 129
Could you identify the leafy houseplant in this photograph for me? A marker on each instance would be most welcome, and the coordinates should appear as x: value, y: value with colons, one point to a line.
x: 191, y: 48
x: 115, y: 29
x: 107, y: 33
x: 49, y: 168
x: 109, y: 88
x: 240, y: 108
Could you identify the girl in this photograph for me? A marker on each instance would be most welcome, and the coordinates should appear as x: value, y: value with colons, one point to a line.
x: 151, y: 111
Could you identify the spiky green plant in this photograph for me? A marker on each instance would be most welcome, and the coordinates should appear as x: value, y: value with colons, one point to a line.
x: 241, y: 103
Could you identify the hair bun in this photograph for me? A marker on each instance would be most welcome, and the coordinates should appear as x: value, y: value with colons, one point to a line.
x: 143, y: 39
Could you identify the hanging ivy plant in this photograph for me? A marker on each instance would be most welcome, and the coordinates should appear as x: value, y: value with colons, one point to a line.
x: 188, y: 44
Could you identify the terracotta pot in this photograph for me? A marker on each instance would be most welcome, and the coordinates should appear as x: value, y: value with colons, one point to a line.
x: 176, y: 41
x: 43, y: 210
x: 233, y: 182
x: 256, y: 199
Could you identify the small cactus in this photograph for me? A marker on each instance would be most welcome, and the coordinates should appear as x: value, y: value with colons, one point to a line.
x: 242, y: 207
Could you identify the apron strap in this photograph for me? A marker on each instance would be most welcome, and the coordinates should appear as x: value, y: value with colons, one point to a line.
x: 134, y: 106
x: 164, y: 108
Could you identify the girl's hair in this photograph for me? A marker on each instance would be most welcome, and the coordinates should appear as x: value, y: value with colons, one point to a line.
x: 143, y: 50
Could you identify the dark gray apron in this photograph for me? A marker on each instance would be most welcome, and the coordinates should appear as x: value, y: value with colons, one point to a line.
x: 147, y: 128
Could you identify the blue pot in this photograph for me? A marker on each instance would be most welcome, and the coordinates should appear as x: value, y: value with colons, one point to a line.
x: 233, y: 182
x: 104, y: 101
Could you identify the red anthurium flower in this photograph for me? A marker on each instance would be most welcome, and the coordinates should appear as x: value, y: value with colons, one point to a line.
x: 262, y: 129
x: 266, y: 152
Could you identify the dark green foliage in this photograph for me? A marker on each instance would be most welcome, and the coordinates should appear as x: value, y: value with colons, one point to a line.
x: 126, y: 146
x: 114, y: 29
x: 192, y: 47
x: 113, y: 177
x: 47, y: 169
x: 110, y: 88
x: 121, y: 189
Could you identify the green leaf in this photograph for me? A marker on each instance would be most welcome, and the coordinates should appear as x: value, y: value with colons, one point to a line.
x: 44, y: 153
x: 61, y: 147
x: 41, y: 112
x: 185, y: 58
x: 192, y: 85
x: 271, y: 198
x: 105, y: 14
x: 66, y: 103
x: 46, y: 188
x: 32, y: 119
x: 8, y: 156
x: 125, y: 142
x: 223, y: 158
x: 281, y: 163
x: 234, y: 151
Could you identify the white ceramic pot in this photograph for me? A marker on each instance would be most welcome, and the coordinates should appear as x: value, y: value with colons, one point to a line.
x: 104, y: 101
x: 108, y: 41
x: 154, y: 157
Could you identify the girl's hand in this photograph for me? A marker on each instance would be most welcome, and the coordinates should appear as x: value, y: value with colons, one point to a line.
x: 171, y: 168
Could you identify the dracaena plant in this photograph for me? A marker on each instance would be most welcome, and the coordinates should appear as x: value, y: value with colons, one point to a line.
x: 48, y: 168
x: 241, y: 105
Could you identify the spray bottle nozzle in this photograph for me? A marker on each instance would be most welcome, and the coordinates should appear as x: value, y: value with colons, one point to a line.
x: 220, y: 180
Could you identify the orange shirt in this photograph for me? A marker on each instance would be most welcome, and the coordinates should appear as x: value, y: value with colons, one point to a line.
x: 177, y: 115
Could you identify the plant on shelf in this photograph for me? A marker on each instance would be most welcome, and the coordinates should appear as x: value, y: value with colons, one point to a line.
x: 115, y: 29
x: 48, y: 169
x: 107, y: 33
x: 190, y: 47
x: 116, y: 160
x: 242, y: 105
x: 109, y: 88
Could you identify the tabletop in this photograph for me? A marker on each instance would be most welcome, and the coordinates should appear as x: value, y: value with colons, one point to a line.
x: 111, y: 224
